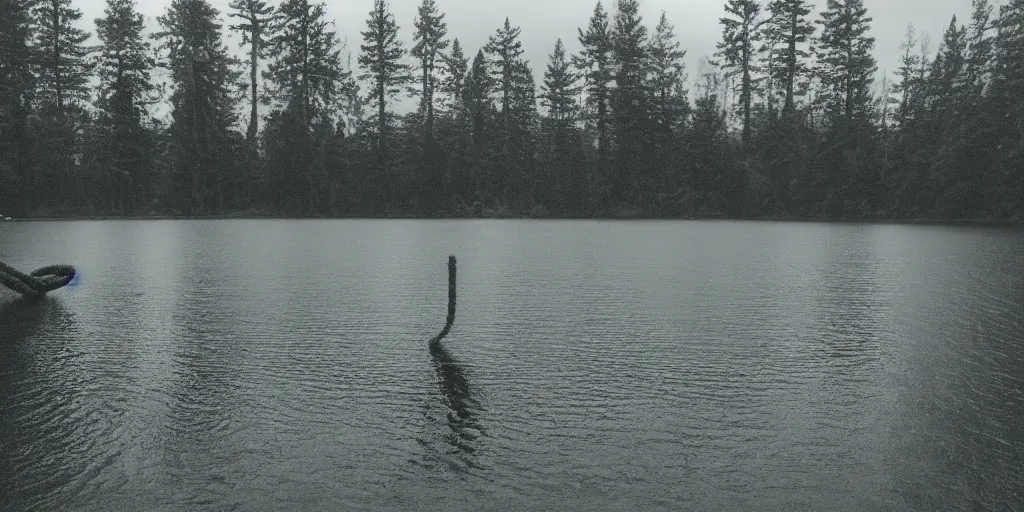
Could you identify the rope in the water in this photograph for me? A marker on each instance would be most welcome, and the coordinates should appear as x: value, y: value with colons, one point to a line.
x: 39, y: 282
x: 451, y: 303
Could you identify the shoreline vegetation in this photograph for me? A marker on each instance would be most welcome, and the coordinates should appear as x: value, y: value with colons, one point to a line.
x: 789, y: 119
x: 620, y: 215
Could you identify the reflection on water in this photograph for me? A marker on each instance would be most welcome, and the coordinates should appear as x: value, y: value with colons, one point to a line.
x: 458, y: 397
x: 49, y: 443
x: 251, y: 365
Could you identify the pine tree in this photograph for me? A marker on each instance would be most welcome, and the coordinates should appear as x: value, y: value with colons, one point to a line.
x: 1006, y: 108
x: 948, y: 68
x: 455, y: 65
x: 17, y: 87
x: 630, y: 99
x: 256, y: 26
x: 907, y: 86
x: 124, y: 67
x: 595, y: 65
x: 62, y: 88
x: 203, y: 145
x: 979, y: 49
x: 477, y: 96
x: 845, y: 70
x: 559, y: 91
x: 306, y: 70
x: 668, y: 72
x: 430, y: 42
x: 62, y: 56
x: 381, y: 59
x: 310, y: 84
x: 738, y: 50
x: 428, y: 47
x: 789, y: 30
x: 506, y: 50
x: 523, y: 121
x: 558, y: 96
x: 845, y: 66
x: 670, y: 106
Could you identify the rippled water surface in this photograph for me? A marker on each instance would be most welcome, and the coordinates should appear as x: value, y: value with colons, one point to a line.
x: 283, y: 365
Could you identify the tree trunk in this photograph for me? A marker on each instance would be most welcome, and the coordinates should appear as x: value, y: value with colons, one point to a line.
x: 254, y: 64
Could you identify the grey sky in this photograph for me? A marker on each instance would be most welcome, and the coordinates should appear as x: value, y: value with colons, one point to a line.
x: 543, y: 21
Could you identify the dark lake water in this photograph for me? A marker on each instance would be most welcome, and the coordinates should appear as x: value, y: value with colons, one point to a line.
x: 283, y: 365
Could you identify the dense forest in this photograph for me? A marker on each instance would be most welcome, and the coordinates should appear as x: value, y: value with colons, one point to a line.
x: 786, y: 120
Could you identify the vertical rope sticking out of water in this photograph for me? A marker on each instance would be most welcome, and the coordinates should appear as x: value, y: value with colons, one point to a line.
x: 451, y: 303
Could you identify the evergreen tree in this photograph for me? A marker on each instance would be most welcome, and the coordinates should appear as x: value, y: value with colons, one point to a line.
x: 430, y: 42
x: 670, y: 107
x: 124, y: 67
x: 979, y: 49
x: 630, y: 100
x: 789, y: 30
x: 1006, y: 109
x: 62, y: 88
x: 558, y: 96
x: 17, y: 87
x: 948, y: 69
x: 480, y: 111
x: 381, y: 59
x: 306, y: 70
x: 907, y: 86
x: 738, y: 49
x: 203, y: 146
x: 845, y: 71
x: 62, y: 56
x: 523, y: 121
x: 846, y: 67
x: 309, y: 83
x: 559, y: 91
x: 506, y: 50
x: 455, y: 65
x: 595, y: 65
x: 256, y: 26
x: 668, y: 72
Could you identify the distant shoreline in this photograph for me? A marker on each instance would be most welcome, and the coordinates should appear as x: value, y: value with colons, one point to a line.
x: 620, y: 217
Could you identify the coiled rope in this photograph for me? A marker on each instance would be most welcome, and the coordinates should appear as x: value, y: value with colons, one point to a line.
x: 39, y: 282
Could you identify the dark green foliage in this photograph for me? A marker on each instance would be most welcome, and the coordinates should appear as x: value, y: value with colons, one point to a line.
x: 595, y: 64
x: 630, y: 102
x: 559, y: 90
x: 454, y: 66
x: 560, y: 172
x: 122, y: 164
x: 787, y: 32
x: 766, y: 131
x: 845, y: 65
x: 62, y: 71
x: 428, y: 49
x: 381, y: 59
x: 17, y: 88
x: 61, y: 56
x: 738, y: 49
x: 506, y: 51
x: 308, y: 88
x: 257, y: 28
x: 429, y: 44
x: 203, y: 145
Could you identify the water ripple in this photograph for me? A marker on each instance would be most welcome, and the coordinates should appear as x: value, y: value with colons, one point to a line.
x: 660, y: 366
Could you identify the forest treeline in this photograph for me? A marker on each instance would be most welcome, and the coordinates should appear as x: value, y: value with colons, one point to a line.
x: 786, y: 119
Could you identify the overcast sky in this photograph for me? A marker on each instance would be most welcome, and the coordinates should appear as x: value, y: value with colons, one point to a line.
x: 543, y: 21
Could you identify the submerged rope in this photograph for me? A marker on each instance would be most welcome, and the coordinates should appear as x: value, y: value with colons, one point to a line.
x: 39, y: 282
x: 451, y: 303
